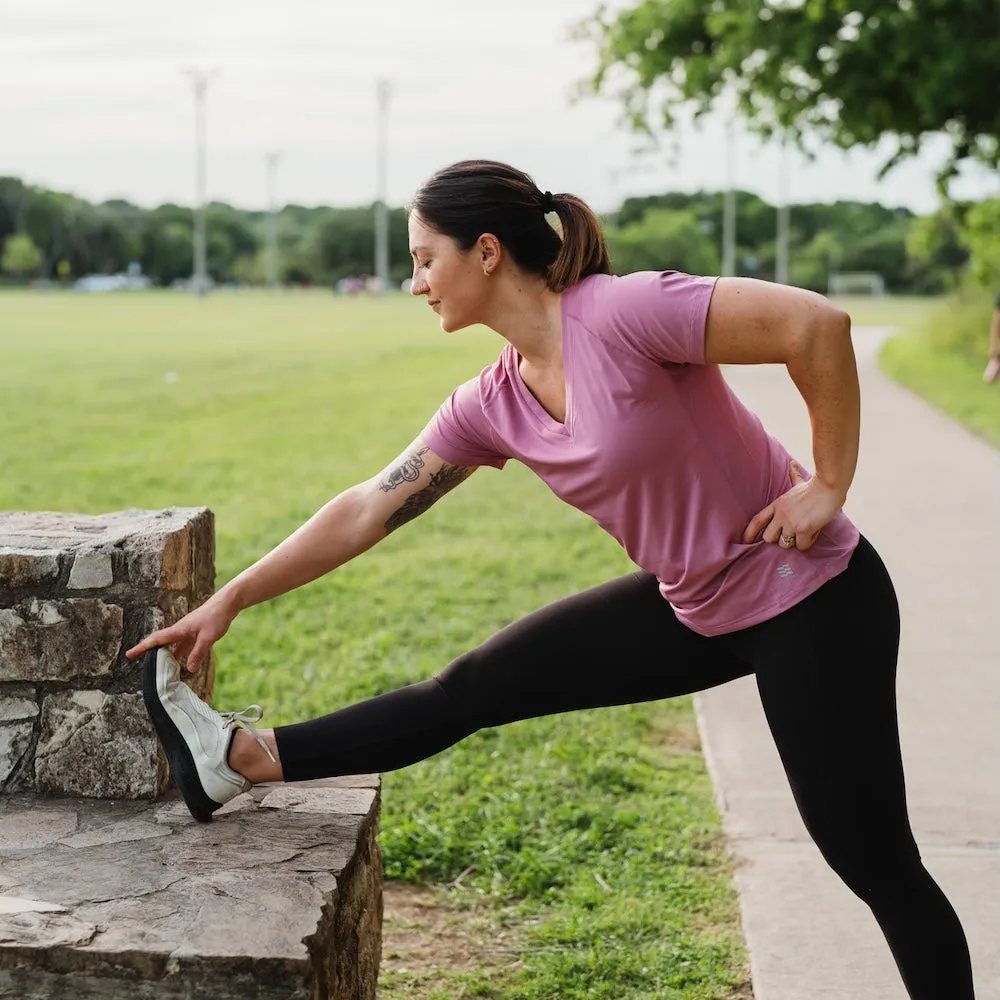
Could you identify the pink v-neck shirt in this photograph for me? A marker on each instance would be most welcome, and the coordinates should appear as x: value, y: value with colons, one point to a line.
x: 655, y: 447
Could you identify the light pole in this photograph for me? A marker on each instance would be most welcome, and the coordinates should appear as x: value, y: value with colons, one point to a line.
x: 781, y: 262
x: 200, y: 79
x: 272, y: 219
x: 382, y: 92
x: 729, y: 206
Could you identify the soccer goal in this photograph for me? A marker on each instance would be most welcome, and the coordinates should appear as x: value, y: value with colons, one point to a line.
x: 856, y: 283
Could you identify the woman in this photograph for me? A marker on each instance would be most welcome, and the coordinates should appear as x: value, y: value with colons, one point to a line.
x: 609, y: 388
x: 993, y: 361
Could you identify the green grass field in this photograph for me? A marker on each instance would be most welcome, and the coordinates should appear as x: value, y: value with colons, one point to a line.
x: 593, y: 835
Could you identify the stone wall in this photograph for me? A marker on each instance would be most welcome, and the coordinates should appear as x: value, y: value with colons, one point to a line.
x: 75, y: 593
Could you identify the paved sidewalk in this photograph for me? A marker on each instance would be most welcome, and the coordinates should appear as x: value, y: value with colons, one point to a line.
x: 927, y: 495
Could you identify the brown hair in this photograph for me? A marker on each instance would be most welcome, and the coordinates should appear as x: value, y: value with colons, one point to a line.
x: 473, y: 197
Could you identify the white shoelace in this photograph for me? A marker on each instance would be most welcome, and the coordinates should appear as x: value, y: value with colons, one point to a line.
x: 246, y: 720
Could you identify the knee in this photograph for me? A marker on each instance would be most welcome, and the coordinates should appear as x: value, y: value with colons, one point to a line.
x: 476, y: 691
x: 878, y: 873
x: 461, y: 683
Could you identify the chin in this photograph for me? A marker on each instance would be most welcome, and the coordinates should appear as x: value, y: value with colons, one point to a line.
x: 450, y: 325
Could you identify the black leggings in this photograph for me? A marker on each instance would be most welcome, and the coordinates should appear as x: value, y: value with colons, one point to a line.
x: 826, y: 673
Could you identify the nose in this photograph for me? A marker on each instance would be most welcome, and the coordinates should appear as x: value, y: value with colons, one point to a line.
x: 418, y: 286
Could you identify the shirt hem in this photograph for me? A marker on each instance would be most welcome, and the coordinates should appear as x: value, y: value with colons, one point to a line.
x: 766, y: 614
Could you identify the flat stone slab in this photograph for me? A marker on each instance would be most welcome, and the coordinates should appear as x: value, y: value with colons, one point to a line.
x: 280, y: 896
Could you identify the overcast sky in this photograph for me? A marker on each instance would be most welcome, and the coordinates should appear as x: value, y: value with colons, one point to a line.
x: 94, y: 101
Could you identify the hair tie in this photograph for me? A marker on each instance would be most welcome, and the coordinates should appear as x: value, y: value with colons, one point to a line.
x: 548, y: 204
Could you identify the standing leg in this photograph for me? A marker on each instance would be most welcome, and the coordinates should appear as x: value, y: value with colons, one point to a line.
x: 826, y: 675
x: 614, y: 644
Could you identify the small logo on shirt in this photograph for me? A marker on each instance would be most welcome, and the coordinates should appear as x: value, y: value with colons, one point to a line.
x: 785, y: 571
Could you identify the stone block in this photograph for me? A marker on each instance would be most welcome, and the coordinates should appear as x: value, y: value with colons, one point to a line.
x: 172, y: 549
x: 24, y: 568
x: 174, y: 553
x: 91, y: 571
x: 97, y: 745
x: 59, y: 640
x: 136, y: 900
x: 18, y: 711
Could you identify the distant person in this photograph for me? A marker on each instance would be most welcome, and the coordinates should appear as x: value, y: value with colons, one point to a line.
x: 993, y: 364
x: 610, y: 390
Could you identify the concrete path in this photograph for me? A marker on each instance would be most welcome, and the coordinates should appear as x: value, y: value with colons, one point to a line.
x: 927, y: 495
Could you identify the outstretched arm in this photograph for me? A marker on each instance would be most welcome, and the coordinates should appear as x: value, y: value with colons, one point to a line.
x: 348, y: 525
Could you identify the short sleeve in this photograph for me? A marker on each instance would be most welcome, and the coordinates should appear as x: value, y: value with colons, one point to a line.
x: 658, y: 314
x: 460, y: 433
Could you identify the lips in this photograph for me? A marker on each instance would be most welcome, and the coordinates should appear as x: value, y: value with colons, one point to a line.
x: 434, y: 304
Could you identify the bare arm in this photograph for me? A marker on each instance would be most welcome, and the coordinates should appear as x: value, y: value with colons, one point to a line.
x: 756, y: 322
x: 348, y: 525
x: 993, y: 362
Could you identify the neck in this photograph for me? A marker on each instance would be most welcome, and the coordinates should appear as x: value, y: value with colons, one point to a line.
x: 526, y: 313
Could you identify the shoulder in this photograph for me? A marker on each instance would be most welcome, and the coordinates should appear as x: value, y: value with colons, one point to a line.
x: 616, y: 299
x: 659, y: 314
x: 473, y: 398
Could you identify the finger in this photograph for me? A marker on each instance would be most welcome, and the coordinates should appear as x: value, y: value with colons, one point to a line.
x: 197, y: 655
x: 164, y: 637
x: 806, y: 540
x: 759, y: 520
x: 775, y: 530
x: 182, y: 649
x: 796, y: 474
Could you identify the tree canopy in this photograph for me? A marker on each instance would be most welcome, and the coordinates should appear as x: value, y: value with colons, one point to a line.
x: 851, y: 72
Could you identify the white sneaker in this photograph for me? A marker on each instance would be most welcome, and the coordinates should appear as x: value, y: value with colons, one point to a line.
x: 195, y: 738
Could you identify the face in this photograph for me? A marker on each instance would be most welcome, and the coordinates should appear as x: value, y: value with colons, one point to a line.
x: 456, y: 283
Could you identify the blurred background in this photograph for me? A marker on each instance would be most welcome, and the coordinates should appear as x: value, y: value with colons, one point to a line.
x: 203, y: 253
x: 291, y: 124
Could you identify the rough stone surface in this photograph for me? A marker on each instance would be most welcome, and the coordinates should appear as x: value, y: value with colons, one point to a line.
x: 24, y: 568
x: 136, y: 900
x: 91, y: 571
x: 59, y: 640
x: 97, y: 745
x: 76, y: 591
x: 18, y: 712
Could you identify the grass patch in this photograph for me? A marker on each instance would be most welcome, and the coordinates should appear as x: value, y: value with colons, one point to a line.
x: 942, y: 359
x: 589, y: 839
x: 886, y: 310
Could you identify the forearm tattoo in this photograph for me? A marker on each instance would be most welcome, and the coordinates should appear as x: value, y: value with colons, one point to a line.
x: 445, y: 479
x: 408, y: 472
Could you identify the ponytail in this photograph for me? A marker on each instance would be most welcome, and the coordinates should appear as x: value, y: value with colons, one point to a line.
x: 473, y: 197
x: 583, y: 249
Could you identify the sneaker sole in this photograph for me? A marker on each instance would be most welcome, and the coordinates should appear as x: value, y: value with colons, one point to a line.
x: 182, y: 767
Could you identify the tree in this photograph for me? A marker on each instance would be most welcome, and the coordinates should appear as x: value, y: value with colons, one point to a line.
x: 663, y: 240
x: 20, y: 256
x: 981, y: 234
x: 850, y: 71
x: 934, y: 250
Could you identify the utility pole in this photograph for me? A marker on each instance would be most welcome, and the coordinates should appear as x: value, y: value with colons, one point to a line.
x: 200, y: 79
x: 781, y: 262
x: 382, y: 91
x: 272, y: 219
x: 729, y: 206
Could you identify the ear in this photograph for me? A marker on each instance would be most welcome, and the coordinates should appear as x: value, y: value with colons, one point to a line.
x: 490, y: 251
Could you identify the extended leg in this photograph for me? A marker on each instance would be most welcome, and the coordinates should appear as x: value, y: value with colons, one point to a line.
x: 614, y: 644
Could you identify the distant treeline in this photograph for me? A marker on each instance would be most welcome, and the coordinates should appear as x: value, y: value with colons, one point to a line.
x: 51, y: 235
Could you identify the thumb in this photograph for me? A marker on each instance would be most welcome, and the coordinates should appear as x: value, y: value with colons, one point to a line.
x: 796, y: 473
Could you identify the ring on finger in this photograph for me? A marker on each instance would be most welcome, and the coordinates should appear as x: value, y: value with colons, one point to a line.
x: 786, y: 541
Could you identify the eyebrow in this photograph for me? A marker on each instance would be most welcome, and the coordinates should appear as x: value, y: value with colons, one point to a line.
x: 414, y: 250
